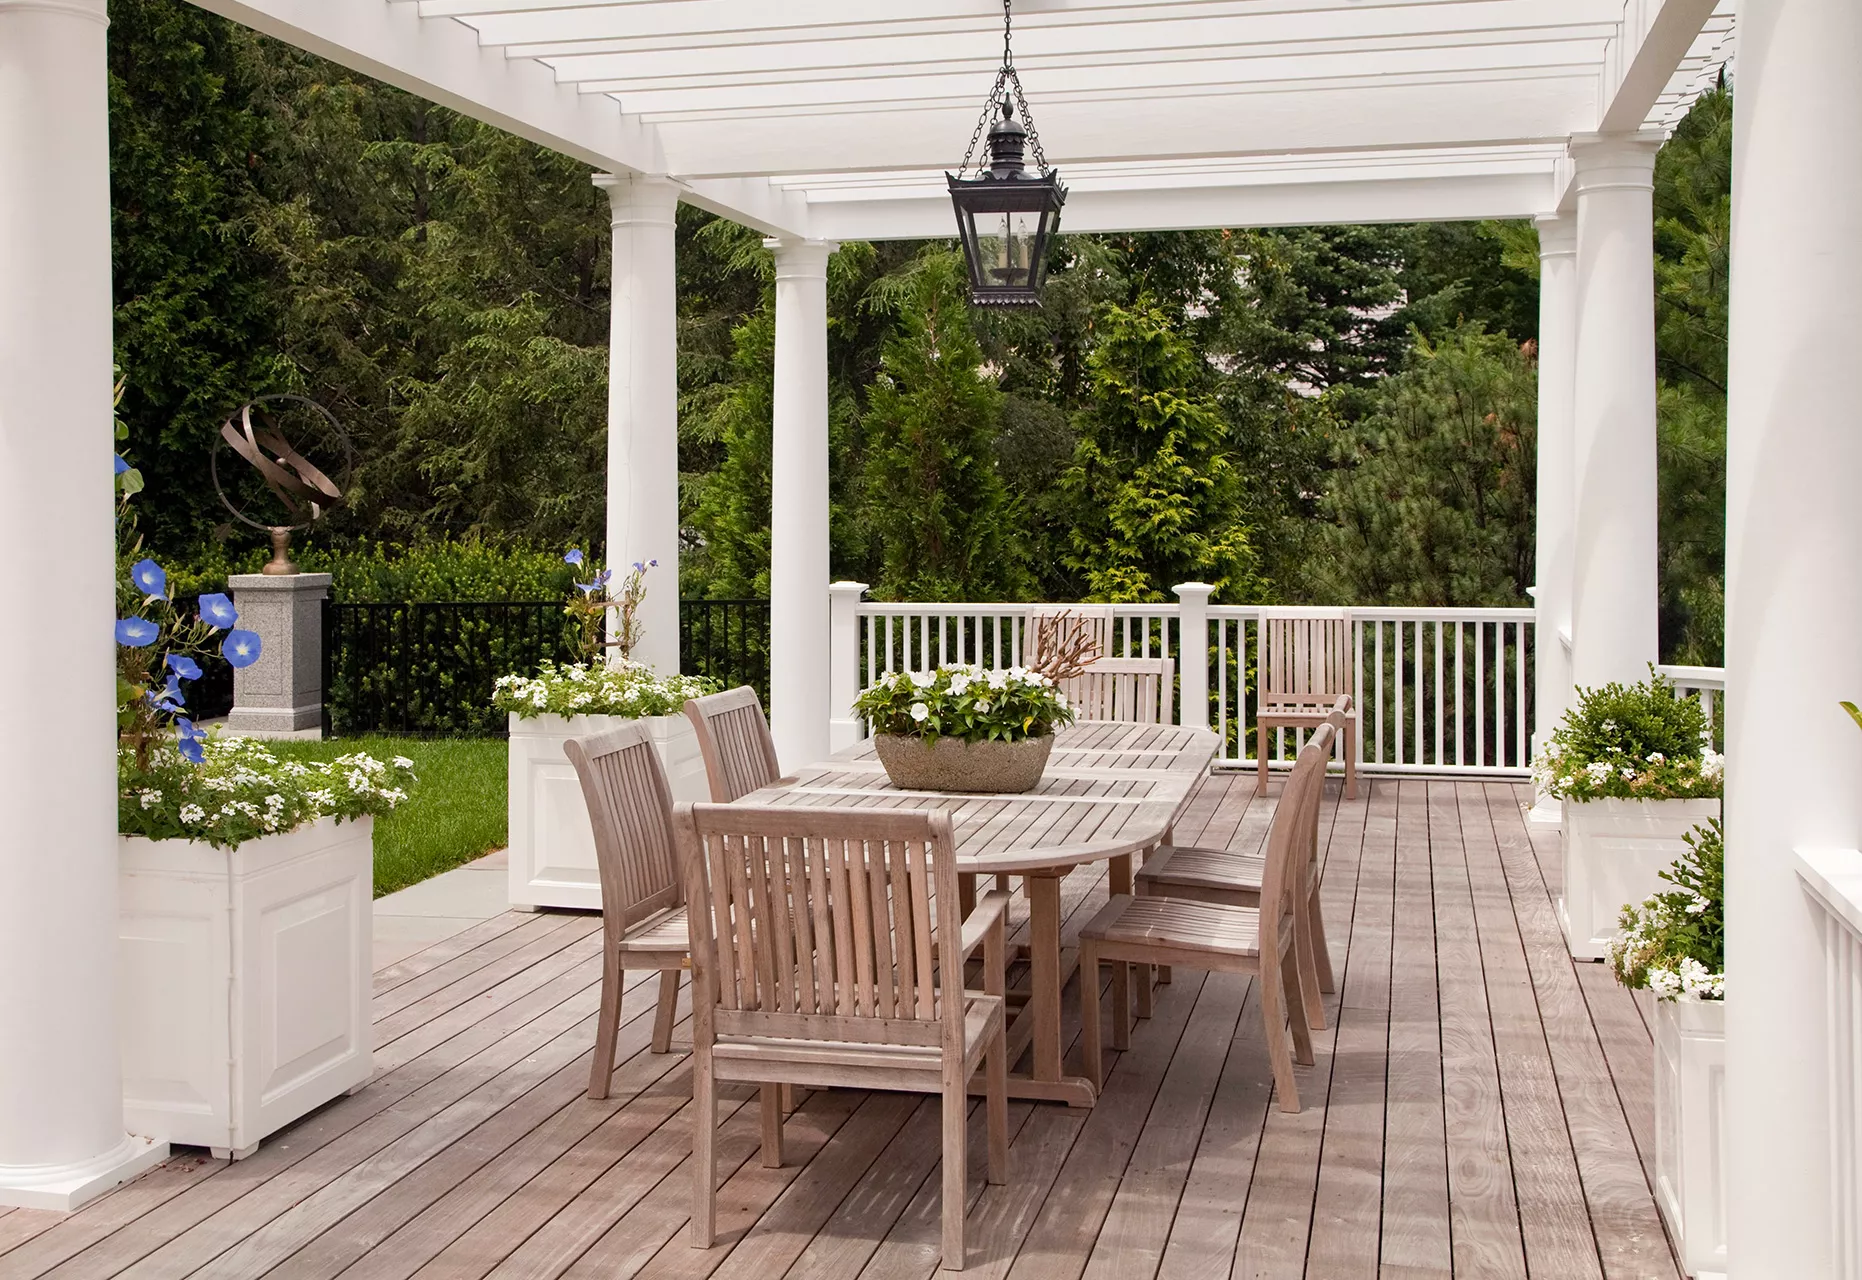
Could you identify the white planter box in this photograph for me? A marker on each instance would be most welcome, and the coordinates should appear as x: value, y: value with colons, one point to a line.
x: 1615, y: 852
x: 245, y: 981
x: 552, y: 851
x: 1690, y: 1130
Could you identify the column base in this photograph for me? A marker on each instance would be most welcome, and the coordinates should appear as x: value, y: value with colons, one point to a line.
x: 1549, y: 811
x: 268, y: 722
x: 63, y: 1188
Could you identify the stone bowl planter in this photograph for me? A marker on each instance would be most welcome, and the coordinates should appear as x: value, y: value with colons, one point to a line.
x: 949, y: 764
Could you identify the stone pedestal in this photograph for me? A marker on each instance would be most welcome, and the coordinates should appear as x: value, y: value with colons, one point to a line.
x: 281, y: 693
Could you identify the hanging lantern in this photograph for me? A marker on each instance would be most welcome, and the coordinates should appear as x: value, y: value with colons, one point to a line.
x: 1006, y: 214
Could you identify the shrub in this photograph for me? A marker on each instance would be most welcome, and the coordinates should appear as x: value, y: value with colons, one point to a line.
x: 1631, y: 742
x: 965, y: 702
x: 1675, y: 943
x: 626, y: 689
x: 463, y: 570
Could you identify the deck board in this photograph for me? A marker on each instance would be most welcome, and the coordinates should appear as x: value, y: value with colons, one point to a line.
x: 1479, y: 1107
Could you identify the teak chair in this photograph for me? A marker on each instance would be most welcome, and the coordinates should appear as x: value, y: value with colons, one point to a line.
x: 1305, y: 668
x: 733, y: 735
x: 827, y: 950
x: 1225, y: 876
x: 1138, y: 690
x: 1204, y: 935
x: 643, y: 916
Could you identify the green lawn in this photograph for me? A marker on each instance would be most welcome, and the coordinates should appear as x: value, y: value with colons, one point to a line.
x: 456, y: 812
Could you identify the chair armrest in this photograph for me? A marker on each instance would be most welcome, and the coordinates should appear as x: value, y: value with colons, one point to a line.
x: 991, y: 911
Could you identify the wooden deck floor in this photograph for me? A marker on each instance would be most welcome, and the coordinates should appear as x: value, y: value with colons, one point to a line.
x: 1481, y: 1108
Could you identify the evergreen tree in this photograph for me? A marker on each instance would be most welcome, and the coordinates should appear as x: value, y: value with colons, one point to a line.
x: 1435, y: 504
x: 1157, y: 498
x: 937, y: 508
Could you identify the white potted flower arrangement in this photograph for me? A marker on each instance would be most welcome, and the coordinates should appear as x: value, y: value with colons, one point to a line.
x: 245, y: 894
x: 1674, y: 944
x: 964, y: 728
x: 552, y: 846
x: 1636, y: 770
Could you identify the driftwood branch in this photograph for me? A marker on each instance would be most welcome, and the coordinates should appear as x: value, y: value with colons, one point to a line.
x: 1063, y: 646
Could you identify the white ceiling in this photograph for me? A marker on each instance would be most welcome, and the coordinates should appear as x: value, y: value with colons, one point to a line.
x: 837, y: 118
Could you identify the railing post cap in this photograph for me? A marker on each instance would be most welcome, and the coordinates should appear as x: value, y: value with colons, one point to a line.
x: 1192, y: 588
x: 856, y: 588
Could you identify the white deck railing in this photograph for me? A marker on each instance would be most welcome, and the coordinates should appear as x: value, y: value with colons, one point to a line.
x: 1833, y: 880
x: 1705, y: 683
x: 1440, y: 690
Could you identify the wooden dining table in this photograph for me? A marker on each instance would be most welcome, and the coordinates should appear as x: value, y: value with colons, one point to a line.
x: 1111, y: 790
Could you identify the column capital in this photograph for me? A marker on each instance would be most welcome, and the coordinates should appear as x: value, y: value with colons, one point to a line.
x: 797, y: 257
x: 1615, y: 161
x: 1558, y: 235
x: 640, y: 197
x: 90, y: 10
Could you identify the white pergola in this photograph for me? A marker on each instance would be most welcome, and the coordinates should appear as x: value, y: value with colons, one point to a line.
x: 816, y: 121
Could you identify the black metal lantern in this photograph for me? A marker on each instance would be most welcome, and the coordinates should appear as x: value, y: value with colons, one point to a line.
x: 1005, y: 214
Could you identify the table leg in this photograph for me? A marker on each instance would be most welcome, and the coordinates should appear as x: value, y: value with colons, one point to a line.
x: 1044, y: 964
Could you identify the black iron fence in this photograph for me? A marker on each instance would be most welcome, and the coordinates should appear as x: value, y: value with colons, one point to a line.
x: 429, y: 667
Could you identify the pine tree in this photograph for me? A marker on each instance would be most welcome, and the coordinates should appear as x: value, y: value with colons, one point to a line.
x: 937, y: 508
x: 1157, y: 497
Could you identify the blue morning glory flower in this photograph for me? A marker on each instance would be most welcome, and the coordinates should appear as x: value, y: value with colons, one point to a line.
x: 189, y: 738
x: 193, y: 751
x: 134, y: 633
x: 149, y: 578
x: 121, y: 465
x: 217, y: 611
x: 184, y: 666
x: 601, y: 580
x: 574, y: 556
x: 168, y: 699
x: 241, y: 648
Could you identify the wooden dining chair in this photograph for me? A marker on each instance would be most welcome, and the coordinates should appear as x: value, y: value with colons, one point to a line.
x: 828, y: 952
x: 1137, y: 690
x: 643, y: 917
x: 733, y: 735
x: 1235, y: 878
x: 1305, y: 666
x: 1260, y: 941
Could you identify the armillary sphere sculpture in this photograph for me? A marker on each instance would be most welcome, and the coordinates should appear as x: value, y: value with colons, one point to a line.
x: 305, y: 491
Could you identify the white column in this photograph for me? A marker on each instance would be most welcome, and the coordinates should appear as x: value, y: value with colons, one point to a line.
x: 1613, y: 580
x: 800, y: 706
x: 1193, y: 653
x: 1793, y: 609
x: 1558, y: 340
x: 643, y: 405
x: 843, y: 662
x: 61, y: 1093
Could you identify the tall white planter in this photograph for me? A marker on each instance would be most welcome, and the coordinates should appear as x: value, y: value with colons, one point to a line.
x: 1690, y: 1130
x: 1615, y: 852
x: 552, y: 850
x: 245, y: 981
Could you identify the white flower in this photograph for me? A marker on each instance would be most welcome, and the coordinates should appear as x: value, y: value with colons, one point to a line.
x: 1665, y: 983
x: 402, y: 762
x: 924, y: 679
x: 998, y: 679
x: 982, y: 706
x: 920, y: 712
x: 192, y: 813
x: 1656, y: 757
x: 1698, y: 905
x: 959, y: 682
x: 1598, y: 770
x: 1629, y: 774
x: 151, y: 798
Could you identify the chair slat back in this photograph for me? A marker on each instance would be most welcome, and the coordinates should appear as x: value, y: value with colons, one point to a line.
x: 733, y: 735
x: 1305, y: 660
x: 1292, y: 841
x: 1093, y: 620
x: 630, y: 809
x: 822, y: 923
x: 1137, y: 690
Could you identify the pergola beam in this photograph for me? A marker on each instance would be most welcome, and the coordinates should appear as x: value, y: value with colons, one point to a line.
x: 1639, y: 63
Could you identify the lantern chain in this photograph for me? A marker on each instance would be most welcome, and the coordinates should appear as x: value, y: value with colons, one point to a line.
x: 1006, y: 76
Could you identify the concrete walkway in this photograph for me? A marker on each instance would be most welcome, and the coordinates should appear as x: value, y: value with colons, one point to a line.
x: 418, y: 916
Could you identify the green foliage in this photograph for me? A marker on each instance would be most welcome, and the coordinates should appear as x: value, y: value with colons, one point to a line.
x: 242, y: 791
x: 372, y: 571
x: 1433, y: 501
x: 456, y: 814
x: 628, y: 689
x: 968, y: 703
x: 939, y: 513
x: 1675, y: 942
x: 1631, y: 742
x: 1157, y: 497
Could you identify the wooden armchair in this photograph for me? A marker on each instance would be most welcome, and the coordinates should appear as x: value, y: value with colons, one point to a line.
x: 1305, y: 669
x: 828, y: 951
x: 733, y: 735
x: 1137, y: 690
x: 1261, y: 941
x: 643, y: 916
x: 1225, y: 876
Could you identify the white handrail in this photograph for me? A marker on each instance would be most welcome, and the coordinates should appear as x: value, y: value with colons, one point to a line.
x: 1833, y: 880
x: 1707, y: 684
